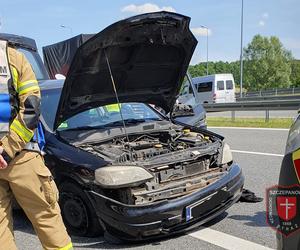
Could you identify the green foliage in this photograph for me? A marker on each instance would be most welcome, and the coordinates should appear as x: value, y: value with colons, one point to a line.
x: 295, y: 75
x: 249, y: 122
x: 216, y: 68
x: 267, y: 65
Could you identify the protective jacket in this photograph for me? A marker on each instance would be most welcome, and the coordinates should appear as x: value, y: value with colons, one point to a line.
x: 19, y: 101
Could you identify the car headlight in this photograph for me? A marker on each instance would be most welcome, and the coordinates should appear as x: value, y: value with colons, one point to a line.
x: 226, y: 154
x: 121, y: 176
x: 293, y: 141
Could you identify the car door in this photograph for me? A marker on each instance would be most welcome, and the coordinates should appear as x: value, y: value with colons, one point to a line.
x: 220, y: 91
x: 229, y: 91
x: 186, y: 94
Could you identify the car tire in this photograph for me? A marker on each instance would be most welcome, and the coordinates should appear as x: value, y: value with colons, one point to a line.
x: 77, y: 211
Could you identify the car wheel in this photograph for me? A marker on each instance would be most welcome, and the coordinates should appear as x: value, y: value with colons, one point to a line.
x: 77, y: 211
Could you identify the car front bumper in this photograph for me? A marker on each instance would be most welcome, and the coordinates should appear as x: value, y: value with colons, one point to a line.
x: 136, y: 223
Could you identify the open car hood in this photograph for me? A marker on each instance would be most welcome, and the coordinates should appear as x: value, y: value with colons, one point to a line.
x: 148, y: 55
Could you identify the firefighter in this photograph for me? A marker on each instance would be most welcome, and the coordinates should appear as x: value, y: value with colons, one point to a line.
x: 22, y: 170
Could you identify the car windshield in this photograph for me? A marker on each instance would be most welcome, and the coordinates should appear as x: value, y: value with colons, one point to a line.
x: 101, y: 117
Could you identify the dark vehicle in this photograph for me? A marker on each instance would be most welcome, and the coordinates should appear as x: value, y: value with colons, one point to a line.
x: 289, y: 176
x: 198, y: 119
x: 58, y: 56
x: 28, y: 47
x: 127, y: 169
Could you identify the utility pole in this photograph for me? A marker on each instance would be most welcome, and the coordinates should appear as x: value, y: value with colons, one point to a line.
x: 206, y: 47
x: 241, y: 55
x: 206, y: 51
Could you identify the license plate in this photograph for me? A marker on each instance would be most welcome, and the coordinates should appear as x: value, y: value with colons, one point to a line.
x: 206, y: 204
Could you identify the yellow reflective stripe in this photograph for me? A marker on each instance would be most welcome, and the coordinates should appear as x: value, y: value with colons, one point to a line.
x: 296, y: 156
x: 21, y: 84
x: 21, y: 130
x: 15, y: 76
x: 29, y: 88
x: 67, y: 247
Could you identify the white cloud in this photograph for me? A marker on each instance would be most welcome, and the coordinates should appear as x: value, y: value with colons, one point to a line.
x: 261, y: 23
x: 145, y: 8
x: 265, y: 15
x: 201, y: 31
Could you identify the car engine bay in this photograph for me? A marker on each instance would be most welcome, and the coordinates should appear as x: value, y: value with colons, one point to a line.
x: 180, y: 161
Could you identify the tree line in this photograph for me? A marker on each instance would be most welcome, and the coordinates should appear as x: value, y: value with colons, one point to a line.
x: 266, y: 65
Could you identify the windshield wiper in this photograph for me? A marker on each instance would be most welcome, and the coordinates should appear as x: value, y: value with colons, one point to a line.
x: 127, y: 121
x: 131, y: 122
x: 81, y: 128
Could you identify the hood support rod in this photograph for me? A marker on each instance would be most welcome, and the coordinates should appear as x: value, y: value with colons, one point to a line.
x: 118, y: 102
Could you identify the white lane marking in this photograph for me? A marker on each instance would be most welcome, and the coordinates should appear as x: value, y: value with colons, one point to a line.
x: 255, y: 153
x: 226, y: 241
x: 274, y: 129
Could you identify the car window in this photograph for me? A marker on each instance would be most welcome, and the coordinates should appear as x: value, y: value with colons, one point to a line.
x: 204, y: 87
x: 184, y: 90
x: 36, y: 63
x: 96, y: 117
x: 220, y: 85
x: 229, y: 84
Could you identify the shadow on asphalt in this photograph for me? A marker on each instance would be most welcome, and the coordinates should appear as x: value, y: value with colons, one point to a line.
x: 257, y: 220
x: 21, y: 223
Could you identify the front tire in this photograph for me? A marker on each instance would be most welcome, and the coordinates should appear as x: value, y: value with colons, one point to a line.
x: 77, y: 211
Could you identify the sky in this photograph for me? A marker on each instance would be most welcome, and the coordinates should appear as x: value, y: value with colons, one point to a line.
x: 43, y: 21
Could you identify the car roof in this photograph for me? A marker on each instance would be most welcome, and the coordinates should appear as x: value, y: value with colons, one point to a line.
x: 19, y: 41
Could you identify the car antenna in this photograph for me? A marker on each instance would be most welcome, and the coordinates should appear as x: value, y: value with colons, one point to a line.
x: 118, y: 102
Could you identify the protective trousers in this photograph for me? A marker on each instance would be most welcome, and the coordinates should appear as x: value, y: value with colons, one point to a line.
x: 30, y: 181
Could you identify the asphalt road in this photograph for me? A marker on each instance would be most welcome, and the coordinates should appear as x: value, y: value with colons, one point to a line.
x: 258, y: 114
x: 243, y: 226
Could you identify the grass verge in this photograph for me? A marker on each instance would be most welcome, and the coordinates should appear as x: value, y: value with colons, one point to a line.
x: 249, y: 122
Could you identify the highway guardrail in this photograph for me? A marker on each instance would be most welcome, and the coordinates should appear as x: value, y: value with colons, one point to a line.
x: 272, y: 92
x: 264, y: 105
x: 266, y: 98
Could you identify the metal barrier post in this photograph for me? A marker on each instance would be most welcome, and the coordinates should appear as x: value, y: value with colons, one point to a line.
x: 233, y: 115
x: 267, y: 116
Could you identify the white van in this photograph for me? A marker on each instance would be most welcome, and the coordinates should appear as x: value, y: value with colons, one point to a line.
x: 218, y: 88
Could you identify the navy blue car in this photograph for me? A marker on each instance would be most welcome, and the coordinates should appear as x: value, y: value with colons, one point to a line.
x: 123, y: 167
